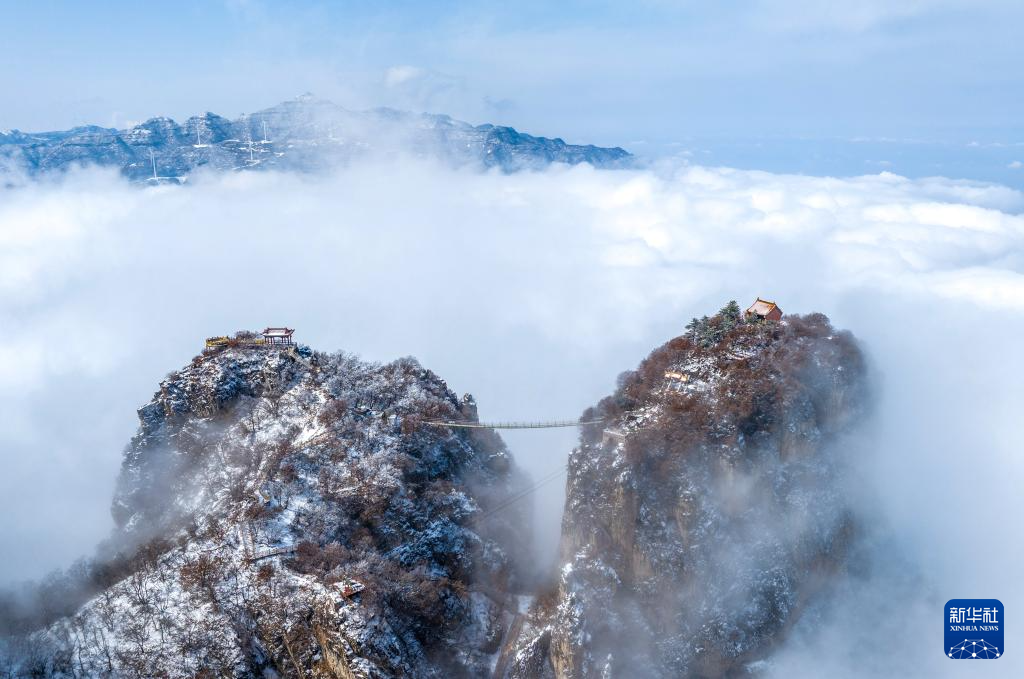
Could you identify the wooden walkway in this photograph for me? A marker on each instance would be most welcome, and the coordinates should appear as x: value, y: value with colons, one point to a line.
x: 276, y: 551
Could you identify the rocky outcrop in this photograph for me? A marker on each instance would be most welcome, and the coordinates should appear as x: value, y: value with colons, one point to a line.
x: 283, y: 512
x: 286, y: 511
x: 709, y: 512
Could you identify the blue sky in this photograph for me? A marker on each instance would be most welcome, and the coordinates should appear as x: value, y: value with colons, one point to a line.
x: 656, y: 76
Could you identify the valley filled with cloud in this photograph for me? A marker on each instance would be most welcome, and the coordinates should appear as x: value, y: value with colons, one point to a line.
x: 533, y: 291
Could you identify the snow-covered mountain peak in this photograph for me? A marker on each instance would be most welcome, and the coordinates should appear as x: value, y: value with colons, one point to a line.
x: 281, y: 507
x: 708, y: 511
x: 303, y: 134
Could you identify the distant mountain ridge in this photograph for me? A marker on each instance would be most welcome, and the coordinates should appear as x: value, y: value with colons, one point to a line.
x: 303, y: 134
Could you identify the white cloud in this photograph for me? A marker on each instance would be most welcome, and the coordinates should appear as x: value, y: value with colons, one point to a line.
x: 398, y: 75
x: 1015, y: 165
x: 532, y: 290
x: 421, y: 89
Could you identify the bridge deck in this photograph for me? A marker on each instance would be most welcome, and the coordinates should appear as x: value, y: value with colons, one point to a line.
x: 510, y: 425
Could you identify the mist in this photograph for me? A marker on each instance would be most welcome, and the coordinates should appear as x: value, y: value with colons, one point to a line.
x: 532, y: 291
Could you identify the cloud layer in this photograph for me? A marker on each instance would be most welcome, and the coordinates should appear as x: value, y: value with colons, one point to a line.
x: 533, y: 291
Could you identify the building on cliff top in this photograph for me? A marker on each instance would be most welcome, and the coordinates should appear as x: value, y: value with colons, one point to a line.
x: 762, y: 308
x: 278, y: 336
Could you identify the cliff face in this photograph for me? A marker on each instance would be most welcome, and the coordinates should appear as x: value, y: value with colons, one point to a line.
x: 287, y: 511
x: 709, y: 510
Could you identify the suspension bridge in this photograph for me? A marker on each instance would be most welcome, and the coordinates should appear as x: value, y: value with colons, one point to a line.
x: 552, y: 424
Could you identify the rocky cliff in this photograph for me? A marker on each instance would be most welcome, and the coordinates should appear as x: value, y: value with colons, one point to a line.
x: 706, y: 511
x: 282, y: 512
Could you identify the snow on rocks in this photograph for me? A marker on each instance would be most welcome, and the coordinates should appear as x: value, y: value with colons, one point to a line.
x: 694, y: 537
x: 285, y: 511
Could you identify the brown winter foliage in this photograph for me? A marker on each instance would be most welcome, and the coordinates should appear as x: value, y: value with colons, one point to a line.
x: 747, y: 400
x: 200, y: 573
x: 61, y: 592
x: 377, y: 496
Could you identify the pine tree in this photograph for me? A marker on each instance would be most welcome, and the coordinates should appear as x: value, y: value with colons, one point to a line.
x: 710, y: 331
x: 730, y: 312
x: 706, y: 332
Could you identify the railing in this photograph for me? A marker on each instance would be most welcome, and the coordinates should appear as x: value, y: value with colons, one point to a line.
x: 510, y: 425
x: 276, y: 551
x: 217, y: 342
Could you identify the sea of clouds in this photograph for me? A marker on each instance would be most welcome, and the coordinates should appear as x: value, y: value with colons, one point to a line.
x: 533, y: 291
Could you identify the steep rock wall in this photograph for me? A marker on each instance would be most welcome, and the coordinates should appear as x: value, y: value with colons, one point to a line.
x: 708, y: 508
